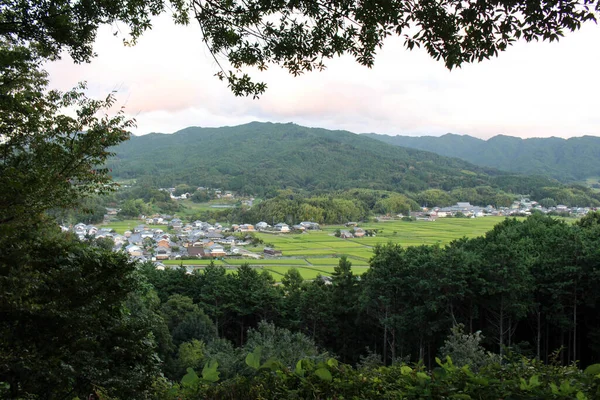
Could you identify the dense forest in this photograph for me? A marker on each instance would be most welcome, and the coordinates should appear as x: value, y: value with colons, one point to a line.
x: 573, y: 159
x: 526, y: 289
x: 260, y: 159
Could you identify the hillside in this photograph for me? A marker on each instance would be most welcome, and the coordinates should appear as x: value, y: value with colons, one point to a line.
x: 258, y: 157
x: 574, y: 159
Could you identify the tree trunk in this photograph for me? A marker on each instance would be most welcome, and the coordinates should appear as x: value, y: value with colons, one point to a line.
x: 385, y: 345
x: 539, y: 333
x: 393, y: 332
x: 575, y: 324
x: 501, y: 327
x: 385, y: 339
x: 509, y: 331
x: 242, y: 333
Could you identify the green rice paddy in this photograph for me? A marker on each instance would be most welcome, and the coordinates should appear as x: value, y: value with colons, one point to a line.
x: 318, y: 252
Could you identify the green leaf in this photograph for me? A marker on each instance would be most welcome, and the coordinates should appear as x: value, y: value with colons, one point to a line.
x: 299, y: 370
x: 190, y: 379
x: 209, y: 372
x: 423, y: 376
x: 253, y: 359
x: 593, y: 370
x: 332, y: 362
x: 271, y: 364
x: 581, y: 396
x: 324, y: 374
x: 406, y: 370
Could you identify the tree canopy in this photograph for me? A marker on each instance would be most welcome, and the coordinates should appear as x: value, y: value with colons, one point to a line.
x: 300, y: 35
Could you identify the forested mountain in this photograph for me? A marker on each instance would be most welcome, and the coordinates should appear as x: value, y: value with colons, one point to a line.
x: 573, y: 159
x: 258, y: 158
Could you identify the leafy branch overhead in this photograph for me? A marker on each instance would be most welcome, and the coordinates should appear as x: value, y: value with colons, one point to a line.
x: 300, y: 35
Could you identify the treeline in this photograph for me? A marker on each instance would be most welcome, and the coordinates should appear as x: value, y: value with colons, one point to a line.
x: 91, y: 320
x: 350, y: 205
x: 338, y: 207
x: 530, y: 287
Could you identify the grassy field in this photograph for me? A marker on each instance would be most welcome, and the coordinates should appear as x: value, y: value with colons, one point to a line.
x: 274, y: 261
x: 318, y: 252
x: 191, y: 262
x: 129, y: 224
x: 321, y: 244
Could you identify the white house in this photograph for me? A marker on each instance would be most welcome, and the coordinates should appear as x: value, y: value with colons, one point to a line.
x: 281, y: 227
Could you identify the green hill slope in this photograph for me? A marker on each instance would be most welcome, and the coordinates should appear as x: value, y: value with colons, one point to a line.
x: 574, y: 159
x: 258, y: 157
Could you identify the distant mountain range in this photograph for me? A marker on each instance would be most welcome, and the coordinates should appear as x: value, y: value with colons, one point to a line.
x: 567, y: 160
x: 258, y: 157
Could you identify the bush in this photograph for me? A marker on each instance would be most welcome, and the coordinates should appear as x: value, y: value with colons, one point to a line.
x: 465, y: 349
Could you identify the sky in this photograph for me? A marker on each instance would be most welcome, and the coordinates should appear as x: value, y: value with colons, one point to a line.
x: 166, y: 82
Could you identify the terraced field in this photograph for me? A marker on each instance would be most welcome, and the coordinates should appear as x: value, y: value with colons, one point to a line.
x: 318, y: 252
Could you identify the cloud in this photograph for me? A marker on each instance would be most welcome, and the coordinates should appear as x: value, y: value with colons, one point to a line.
x: 533, y: 89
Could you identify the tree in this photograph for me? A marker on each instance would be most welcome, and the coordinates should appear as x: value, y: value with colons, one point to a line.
x: 344, y: 304
x: 305, y: 33
x: 68, y: 321
x: 301, y: 35
x: 49, y: 160
x: 508, y: 283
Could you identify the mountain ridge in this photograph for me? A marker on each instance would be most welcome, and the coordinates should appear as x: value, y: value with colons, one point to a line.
x: 567, y: 160
x: 289, y: 155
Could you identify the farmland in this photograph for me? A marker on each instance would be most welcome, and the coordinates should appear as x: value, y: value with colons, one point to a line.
x: 318, y: 252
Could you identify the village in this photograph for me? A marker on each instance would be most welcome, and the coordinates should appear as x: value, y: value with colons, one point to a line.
x: 163, y: 237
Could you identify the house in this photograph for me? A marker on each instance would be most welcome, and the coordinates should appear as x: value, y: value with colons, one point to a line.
x: 80, y: 229
x: 135, y: 239
x: 216, y: 250
x: 309, y: 225
x: 119, y: 240
x: 351, y: 223
x: 245, y: 228
x: 176, y: 223
x: 164, y: 243
x: 214, y: 236
x: 262, y: 225
x: 359, y: 232
x: 134, y: 250
x: 298, y: 227
x: 271, y: 252
x: 229, y: 240
x: 281, y: 227
x: 346, y: 235
x: 196, y: 251
x: 162, y: 253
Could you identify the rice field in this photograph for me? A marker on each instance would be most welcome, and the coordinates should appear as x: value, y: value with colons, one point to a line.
x: 317, y: 252
x: 191, y: 262
x: 322, y: 244
x: 128, y: 225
